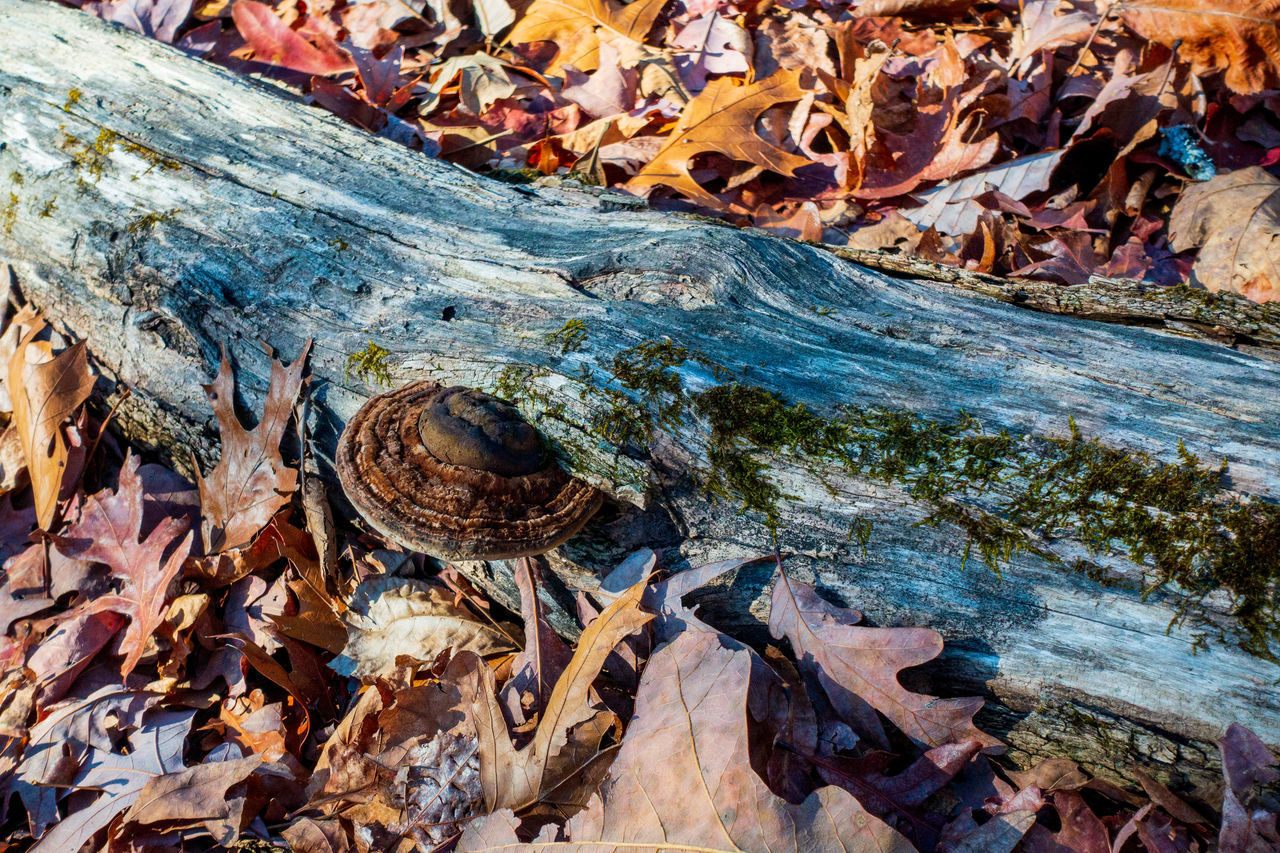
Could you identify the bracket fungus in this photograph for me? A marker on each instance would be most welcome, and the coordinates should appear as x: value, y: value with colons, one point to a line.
x: 457, y: 474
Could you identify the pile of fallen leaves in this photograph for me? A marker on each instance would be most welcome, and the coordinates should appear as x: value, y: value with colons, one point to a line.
x: 193, y: 666
x: 1051, y: 139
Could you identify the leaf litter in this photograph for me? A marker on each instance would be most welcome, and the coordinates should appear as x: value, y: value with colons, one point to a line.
x: 1048, y: 139
x: 166, y: 690
x: 172, y: 696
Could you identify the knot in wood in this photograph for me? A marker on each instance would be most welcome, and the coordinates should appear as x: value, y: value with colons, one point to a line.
x: 455, y: 473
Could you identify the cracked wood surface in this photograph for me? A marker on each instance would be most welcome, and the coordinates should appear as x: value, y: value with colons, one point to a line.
x: 189, y: 207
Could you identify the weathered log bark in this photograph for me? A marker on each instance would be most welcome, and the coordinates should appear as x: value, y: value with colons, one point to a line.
x: 161, y: 207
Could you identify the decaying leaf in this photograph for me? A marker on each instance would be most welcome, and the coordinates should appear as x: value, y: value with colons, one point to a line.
x: 391, y: 616
x: 1235, y: 220
x: 857, y: 664
x: 250, y: 483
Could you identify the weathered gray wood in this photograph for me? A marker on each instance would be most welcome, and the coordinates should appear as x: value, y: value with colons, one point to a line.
x: 277, y: 223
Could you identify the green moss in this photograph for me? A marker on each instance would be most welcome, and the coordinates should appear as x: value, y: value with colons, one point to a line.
x: 860, y: 532
x: 73, y: 98
x: 17, y: 179
x: 570, y: 337
x: 370, y: 365
x: 150, y: 220
x: 339, y: 245
x: 517, y: 384
x: 9, y: 214
x: 90, y: 158
x: 514, y: 176
x: 1009, y: 495
x: 155, y: 158
x: 47, y: 209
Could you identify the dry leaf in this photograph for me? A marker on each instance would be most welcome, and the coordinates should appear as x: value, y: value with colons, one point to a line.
x: 250, y: 483
x: 572, y: 24
x: 683, y: 780
x: 516, y: 778
x: 44, y: 395
x: 197, y: 796
x: 155, y: 748
x: 1235, y: 36
x: 952, y: 209
x: 722, y: 119
x: 863, y: 663
x: 536, y: 669
x: 1235, y: 220
x: 274, y: 43
x: 109, y: 531
x: 392, y: 616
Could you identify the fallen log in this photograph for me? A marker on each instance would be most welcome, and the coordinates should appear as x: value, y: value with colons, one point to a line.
x: 727, y: 389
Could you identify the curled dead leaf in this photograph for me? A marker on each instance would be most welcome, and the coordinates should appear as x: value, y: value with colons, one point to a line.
x: 391, y: 616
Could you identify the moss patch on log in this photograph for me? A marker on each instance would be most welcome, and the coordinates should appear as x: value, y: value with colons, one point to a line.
x: 1010, y: 494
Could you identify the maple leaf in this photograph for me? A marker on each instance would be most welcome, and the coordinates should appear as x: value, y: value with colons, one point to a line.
x: 274, y: 43
x: 391, y: 616
x: 44, y: 395
x: 722, y: 119
x: 1233, y: 218
x: 515, y: 778
x: 856, y: 663
x: 109, y: 532
x: 683, y: 779
x: 250, y: 483
x: 155, y: 748
x: 572, y: 25
x: 1238, y: 37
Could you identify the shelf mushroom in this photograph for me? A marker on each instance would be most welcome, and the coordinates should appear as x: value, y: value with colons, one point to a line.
x: 457, y: 474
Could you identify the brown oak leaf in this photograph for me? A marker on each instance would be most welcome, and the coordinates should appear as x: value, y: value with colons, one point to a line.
x: 683, y: 779
x: 856, y: 663
x: 45, y: 391
x: 1234, y: 218
x: 250, y: 483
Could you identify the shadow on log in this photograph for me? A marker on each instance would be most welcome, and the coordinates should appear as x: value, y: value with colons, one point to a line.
x: 169, y: 207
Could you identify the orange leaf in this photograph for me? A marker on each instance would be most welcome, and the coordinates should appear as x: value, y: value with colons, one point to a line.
x: 1239, y: 37
x: 44, y: 395
x: 572, y: 24
x: 722, y: 119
